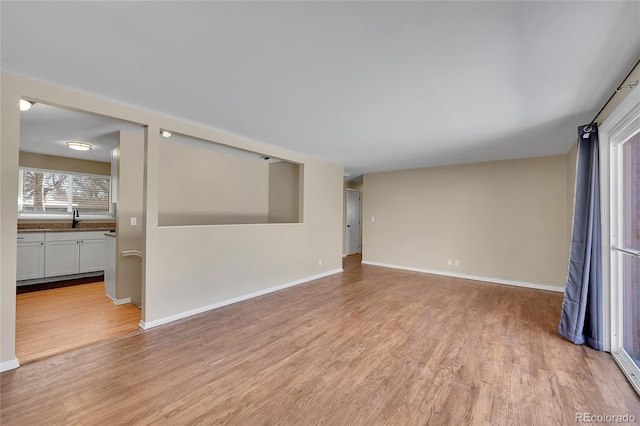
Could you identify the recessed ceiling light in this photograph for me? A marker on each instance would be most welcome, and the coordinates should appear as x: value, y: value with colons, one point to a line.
x: 79, y: 146
x: 25, y: 105
x: 166, y: 134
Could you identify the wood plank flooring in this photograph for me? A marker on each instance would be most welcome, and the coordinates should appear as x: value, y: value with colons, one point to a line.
x: 51, y: 322
x: 370, y: 346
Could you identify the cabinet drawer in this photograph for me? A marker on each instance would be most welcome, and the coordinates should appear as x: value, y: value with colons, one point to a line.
x: 90, y: 235
x: 75, y: 236
x: 30, y: 237
x: 62, y: 236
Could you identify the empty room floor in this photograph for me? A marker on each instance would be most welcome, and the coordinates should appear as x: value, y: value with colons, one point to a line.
x: 367, y: 346
x: 54, y: 321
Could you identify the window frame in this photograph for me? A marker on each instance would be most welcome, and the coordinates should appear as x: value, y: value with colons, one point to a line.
x: 66, y: 215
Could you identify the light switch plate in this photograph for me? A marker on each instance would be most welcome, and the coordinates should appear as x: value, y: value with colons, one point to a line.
x: 134, y: 221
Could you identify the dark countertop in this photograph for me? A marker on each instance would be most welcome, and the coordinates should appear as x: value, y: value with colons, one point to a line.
x: 66, y: 230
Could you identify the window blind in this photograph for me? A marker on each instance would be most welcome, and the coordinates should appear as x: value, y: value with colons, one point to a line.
x: 49, y: 192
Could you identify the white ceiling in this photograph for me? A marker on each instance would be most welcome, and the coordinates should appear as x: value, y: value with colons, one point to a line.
x: 45, y: 129
x: 370, y: 85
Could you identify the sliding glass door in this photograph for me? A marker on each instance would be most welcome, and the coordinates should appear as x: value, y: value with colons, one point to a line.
x: 630, y: 248
x: 625, y: 246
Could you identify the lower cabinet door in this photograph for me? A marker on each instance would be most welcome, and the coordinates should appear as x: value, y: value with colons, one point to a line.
x: 92, y: 255
x: 61, y: 258
x: 30, y: 261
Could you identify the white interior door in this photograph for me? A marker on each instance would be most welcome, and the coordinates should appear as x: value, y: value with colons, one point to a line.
x: 625, y: 249
x: 353, y: 221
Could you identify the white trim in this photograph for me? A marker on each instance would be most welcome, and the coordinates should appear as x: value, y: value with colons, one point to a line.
x: 471, y: 277
x: 629, y: 107
x: 9, y: 365
x: 147, y: 325
x: 606, y: 189
x: 346, y: 215
x: 119, y: 301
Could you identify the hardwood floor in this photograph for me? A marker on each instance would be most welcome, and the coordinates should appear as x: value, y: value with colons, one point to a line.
x: 51, y: 322
x: 369, y: 346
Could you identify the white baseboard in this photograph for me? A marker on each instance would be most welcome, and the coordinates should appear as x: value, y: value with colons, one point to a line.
x: 9, y: 365
x: 147, y: 325
x: 470, y: 277
x: 119, y: 301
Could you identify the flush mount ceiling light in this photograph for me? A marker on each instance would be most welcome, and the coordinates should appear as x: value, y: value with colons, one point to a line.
x: 166, y: 134
x: 25, y: 105
x: 79, y: 146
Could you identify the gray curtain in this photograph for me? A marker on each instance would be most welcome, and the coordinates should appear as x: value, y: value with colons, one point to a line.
x: 581, y: 320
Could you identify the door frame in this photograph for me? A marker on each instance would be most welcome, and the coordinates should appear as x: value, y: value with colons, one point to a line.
x: 346, y: 219
x: 618, y: 127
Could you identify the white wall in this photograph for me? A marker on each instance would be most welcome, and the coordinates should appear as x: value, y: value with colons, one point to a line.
x: 130, y: 187
x: 190, y: 268
x: 503, y: 220
x: 284, y: 192
x: 201, y: 186
x: 52, y: 162
x: 9, y: 148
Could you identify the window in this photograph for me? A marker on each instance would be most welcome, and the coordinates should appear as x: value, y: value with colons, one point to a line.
x: 49, y: 193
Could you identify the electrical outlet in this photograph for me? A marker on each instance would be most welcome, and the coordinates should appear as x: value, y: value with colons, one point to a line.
x: 457, y: 262
x: 319, y: 262
x: 134, y: 221
x: 449, y: 262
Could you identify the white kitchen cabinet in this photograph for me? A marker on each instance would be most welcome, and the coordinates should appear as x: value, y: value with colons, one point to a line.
x: 68, y: 253
x: 92, y: 255
x: 30, y: 264
x: 61, y: 258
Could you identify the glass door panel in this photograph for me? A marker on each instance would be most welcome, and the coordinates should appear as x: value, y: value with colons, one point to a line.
x: 631, y: 307
x: 630, y: 239
x: 631, y: 193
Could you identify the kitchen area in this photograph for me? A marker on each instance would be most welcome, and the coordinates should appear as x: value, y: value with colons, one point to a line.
x: 50, y: 255
x: 77, y: 282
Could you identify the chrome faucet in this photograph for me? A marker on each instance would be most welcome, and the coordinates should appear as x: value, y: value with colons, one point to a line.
x: 75, y: 215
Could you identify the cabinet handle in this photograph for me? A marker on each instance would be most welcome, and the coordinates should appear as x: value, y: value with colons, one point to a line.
x: 41, y: 244
x: 21, y: 238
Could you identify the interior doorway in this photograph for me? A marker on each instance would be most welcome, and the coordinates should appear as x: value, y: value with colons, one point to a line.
x: 353, y: 222
x: 62, y: 303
